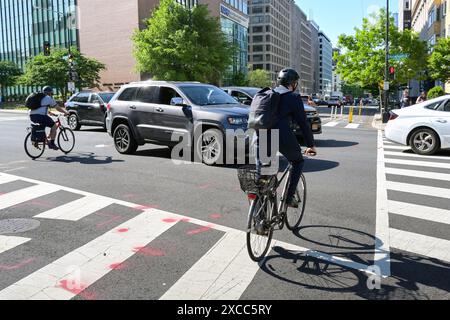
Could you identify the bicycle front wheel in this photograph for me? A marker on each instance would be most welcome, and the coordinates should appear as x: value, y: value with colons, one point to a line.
x: 66, y: 140
x: 294, y: 216
x: 33, y: 149
x: 259, y: 228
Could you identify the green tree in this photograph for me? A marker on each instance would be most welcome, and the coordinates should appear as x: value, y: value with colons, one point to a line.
x: 53, y: 70
x: 362, y: 58
x: 9, y: 72
x: 439, y: 61
x: 182, y: 44
x: 239, y: 79
x: 259, y: 78
x: 436, y: 92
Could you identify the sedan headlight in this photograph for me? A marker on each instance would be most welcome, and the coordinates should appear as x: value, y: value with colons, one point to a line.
x: 237, y: 121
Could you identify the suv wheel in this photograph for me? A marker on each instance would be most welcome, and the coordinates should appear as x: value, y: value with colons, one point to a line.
x: 210, y: 147
x: 73, y: 122
x: 124, y: 140
x: 424, y: 142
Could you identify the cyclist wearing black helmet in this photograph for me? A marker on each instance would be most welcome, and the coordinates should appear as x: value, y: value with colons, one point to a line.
x: 40, y: 115
x: 291, y: 108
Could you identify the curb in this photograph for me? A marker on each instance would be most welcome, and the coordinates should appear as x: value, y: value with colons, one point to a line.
x: 377, y: 122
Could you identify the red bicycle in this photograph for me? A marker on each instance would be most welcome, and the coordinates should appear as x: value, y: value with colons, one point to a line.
x: 36, y: 139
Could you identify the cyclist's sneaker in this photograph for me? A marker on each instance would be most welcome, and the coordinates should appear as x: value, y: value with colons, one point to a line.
x: 293, y: 203
x: 52, y: 145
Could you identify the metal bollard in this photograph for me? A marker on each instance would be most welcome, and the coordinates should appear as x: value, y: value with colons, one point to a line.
x: 350, y: 115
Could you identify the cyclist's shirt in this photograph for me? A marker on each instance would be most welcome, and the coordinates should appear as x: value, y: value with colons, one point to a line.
x: 45, y: 104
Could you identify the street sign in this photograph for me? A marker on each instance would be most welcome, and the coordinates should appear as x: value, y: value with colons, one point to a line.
x: 71, y: 86
x: 386, y: 86
x: 398, y: 56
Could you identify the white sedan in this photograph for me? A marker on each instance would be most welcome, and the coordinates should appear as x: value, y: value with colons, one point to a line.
x: 424, y: 127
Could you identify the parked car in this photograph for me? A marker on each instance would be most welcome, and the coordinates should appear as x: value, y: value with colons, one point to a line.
x: 152, y: 111
x: 424, y: 127
x: 311, y: 112
x: 88, y: 108
x: 242, y: 94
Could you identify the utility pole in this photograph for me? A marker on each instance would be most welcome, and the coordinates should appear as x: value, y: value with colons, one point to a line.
x: 386, y: 71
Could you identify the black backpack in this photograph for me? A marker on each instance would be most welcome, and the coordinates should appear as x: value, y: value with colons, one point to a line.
x: 264, y: 110
x: 34, y: 100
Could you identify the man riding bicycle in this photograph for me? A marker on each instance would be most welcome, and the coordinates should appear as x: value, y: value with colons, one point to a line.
x: 40, y: 115
x: 290, y: 108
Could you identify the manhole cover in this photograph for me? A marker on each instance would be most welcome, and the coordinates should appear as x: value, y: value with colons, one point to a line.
x: 18, y: 225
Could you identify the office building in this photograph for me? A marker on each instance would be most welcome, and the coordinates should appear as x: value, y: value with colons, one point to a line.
x: 325, y: 65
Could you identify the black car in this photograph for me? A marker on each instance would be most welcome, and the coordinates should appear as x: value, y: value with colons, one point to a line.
x: 88, y: 108
x: 242, y: 94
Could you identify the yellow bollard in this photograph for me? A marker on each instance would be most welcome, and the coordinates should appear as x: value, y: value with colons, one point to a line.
x: 350, y: 116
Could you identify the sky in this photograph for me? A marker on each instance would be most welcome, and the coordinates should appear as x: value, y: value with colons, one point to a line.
x: 335, y: 17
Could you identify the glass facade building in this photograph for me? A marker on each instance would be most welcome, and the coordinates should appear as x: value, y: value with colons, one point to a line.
x: 25, y: 25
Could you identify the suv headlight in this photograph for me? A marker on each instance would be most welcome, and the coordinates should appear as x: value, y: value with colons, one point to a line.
x: 237, y: 121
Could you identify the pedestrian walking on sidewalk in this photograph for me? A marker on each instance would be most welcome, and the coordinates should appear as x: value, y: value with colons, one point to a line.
x: 404, y: 103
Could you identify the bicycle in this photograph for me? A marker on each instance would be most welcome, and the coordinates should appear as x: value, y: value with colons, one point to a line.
x: 267, y: 213
x: 36, y: 139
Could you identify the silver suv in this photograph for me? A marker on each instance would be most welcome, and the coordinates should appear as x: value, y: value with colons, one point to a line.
x: 153, y: 111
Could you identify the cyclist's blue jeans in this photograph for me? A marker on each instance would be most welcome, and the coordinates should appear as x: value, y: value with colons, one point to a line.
x: 290, y: 149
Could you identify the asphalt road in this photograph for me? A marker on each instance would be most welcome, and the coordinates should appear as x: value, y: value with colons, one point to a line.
x: 203, y: 214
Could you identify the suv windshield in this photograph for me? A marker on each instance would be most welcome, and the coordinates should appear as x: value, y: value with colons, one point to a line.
x: 207, y: 95
x: 106, y: 97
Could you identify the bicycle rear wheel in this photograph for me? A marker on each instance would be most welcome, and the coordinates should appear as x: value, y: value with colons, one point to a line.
x: 259, y: 231
x: 294, y: 216
x: 33, y: 149
x: 66, y: 140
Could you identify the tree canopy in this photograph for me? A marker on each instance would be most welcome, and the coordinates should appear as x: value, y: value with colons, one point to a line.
x: 183, y: 45
x: 54, y: 70
x: 439, y: 61
x: 259, y: 78
x: 362, y: 58
x: 9, y: 73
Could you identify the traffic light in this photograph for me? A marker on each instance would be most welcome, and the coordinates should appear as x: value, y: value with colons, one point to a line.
x: 392, y: 72
x: 46, y: 48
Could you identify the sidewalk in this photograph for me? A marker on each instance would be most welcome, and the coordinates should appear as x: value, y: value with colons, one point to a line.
x: 13, y: 111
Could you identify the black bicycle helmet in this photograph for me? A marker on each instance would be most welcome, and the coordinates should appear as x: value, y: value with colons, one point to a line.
x: 47, y: 89
x: 287, y: 77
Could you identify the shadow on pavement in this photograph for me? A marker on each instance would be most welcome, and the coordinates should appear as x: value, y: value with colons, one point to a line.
x: 442, y: 152
x: 334, y: 144
x: 84, y: 158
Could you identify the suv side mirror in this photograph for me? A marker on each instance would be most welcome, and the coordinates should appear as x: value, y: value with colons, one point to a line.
x: 177, y: 101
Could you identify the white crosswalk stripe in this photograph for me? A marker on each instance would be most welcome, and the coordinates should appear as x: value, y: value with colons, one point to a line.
x: 331, y: 124
x: 412, y: 242
x: 352, y: 126
x: 224, y: 272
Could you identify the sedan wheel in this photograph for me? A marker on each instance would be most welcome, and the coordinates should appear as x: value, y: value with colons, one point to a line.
x: 424, y: 142
x: 210, y: 147
x: 73, y: 122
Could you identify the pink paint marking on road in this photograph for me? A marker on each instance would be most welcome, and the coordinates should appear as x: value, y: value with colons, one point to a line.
x: 146, y: 207
x: 204, y: 186
x: 118, y: 266
x: 45, y: 204
x: 215, y: 216
x: 149, y: 251
x: 74, y: 288
x: 199, y: 230
x: 18, y: 265
x: 2, y: 193
x: 123, y: 230
x: 129, y: 196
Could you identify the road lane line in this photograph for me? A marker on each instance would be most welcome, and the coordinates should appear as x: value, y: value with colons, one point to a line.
x: 352, y: 126
x: 420, y: 212
x: 68, y: 276
x: 78, y: 209
x: 9, y: 242
x: 421, y: 244
x: 331, y: 124
x: 413, y: 155
x: 382, y: 257
x: 418, y: 174
x: 7, y: 178
x: 212, y: 278
x: 396, y: 147
x: 419, y: 189
x: 23, y: 195
x: 419, y: 163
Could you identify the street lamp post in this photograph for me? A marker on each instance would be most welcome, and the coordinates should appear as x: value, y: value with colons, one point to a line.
x: 386, y: 71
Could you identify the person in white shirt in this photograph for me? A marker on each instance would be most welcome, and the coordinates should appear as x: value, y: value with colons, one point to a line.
x: 41, y: 115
